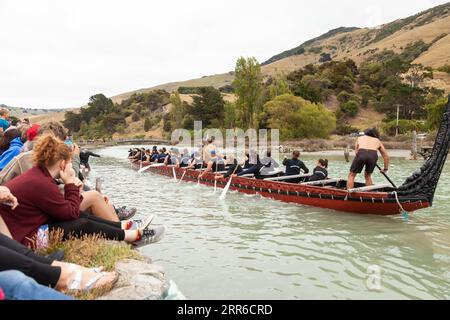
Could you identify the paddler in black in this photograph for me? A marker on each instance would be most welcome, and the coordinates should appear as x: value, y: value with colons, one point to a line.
x: 294, y: 165
x: 184, y: 158
x: 269, y: 165
x: 254, y: 165
x: 84, y: 158
x: 196, y: 161
x: 366, y: 150
x: 320, y: 171
x: 232, y: 163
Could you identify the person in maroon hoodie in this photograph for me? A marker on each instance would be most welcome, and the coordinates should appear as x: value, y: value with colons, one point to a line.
x: 47, y: 271
x: 42, y: 204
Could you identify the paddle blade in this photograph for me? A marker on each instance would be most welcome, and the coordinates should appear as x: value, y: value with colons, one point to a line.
x: 225, y: 190
x: 182, y: 176
x: 143, y: 169
x: 174, y: 174
x: 151, y: 166
x: 215, y: 186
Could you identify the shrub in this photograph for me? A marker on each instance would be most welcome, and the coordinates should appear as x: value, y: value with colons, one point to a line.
x: 345, y: 96
x: 228, y: 88
x: 189, y: 90
x: 135, y: 117
x: 366, y: 94
x: 325, y: 57
x: 346, y: 84
x: 445, y: 68
x: 120, y: 128
x: 315, y: 50
x: 414, y: 50
x: 404, y: 126
x: 307, y: 92
x: 344, y: 129
x: 147, y: 124
x: 350, y: 108
x: 298, y: 118
x: 435, y: 112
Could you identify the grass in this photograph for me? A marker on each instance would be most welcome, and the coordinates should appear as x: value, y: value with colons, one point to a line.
x: 91, y: 251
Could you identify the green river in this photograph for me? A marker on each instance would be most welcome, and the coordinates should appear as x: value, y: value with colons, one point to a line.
x: 248, y: 247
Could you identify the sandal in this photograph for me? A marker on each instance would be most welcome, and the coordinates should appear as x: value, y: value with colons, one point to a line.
x: 75, y: 285
x: 74, y: 266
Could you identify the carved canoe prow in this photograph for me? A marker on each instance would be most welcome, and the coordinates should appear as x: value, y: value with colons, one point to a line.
x: 422, y: 183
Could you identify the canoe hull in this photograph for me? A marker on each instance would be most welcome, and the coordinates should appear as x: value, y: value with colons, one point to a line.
x: 378, y: 203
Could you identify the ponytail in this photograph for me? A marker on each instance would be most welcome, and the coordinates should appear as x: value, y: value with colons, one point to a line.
x: 48, y: 150
x: 324, y: 162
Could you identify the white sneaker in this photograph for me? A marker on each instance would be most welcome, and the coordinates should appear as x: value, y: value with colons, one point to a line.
x: 150, y: 236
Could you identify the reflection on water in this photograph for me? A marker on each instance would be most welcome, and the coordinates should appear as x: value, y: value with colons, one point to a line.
x: 248, y: 247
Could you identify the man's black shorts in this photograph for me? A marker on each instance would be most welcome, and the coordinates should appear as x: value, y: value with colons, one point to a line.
x: 367, y: 158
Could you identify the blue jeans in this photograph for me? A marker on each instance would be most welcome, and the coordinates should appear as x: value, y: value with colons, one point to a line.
x: 18, y: 286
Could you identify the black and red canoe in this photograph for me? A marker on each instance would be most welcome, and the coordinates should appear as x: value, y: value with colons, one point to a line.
x: 415, y: 193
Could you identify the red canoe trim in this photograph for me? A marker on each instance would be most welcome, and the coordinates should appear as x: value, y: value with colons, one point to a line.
x: 378, y: 203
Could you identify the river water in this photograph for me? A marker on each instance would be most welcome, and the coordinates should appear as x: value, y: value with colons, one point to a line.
x: 248, y: 247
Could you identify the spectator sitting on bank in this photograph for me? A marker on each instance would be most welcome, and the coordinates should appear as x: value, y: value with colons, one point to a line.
x: 50, y: 208
x: 10, y: 146
x: 4, y: 123
x: 94, y: 202
x: 31, y: 134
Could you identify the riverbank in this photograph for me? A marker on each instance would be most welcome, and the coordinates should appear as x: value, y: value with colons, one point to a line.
x: 393, y: 153
x: 333, y: 144
x: 139, y: 277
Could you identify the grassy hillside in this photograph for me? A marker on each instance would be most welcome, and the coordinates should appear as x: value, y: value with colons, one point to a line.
x: 424, y: 38
x: 431, y: 26
x: 32, y: 113
x: 216, y: 81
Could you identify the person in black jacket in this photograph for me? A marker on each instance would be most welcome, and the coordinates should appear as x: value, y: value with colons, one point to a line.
x: 294, y: 165
x: 84, y: 158
x: 320, y: 172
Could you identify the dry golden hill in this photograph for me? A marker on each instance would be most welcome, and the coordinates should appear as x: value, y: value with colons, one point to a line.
x: 431, y: 26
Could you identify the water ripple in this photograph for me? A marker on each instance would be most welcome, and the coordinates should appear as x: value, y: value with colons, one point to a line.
x: 249, y: 247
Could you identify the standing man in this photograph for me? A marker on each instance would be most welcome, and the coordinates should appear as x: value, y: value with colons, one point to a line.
x: 366, y: 150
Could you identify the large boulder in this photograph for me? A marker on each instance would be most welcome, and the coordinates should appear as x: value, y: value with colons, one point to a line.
x: 138, y: 280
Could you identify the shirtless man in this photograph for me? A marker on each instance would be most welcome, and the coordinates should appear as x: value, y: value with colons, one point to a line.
x: 207, y: 149
x: 366, y: 149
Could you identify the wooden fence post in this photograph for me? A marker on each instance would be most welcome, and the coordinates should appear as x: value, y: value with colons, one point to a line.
x: 414, y: 146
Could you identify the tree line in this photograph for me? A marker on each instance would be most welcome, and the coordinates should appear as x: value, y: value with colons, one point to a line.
x: 294, y: 103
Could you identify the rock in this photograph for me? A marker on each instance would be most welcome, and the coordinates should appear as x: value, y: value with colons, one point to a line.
x: 138, y: 280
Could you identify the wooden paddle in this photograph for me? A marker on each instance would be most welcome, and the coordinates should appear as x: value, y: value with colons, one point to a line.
x: 225, y: 190
x: 385, y: 175
x: 182, y: 176
x: 215, y: 180
x: 151, y: 166
x: 174, y: 174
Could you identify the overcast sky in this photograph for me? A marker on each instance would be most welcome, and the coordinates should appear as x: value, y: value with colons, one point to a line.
x: 56, y: 54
